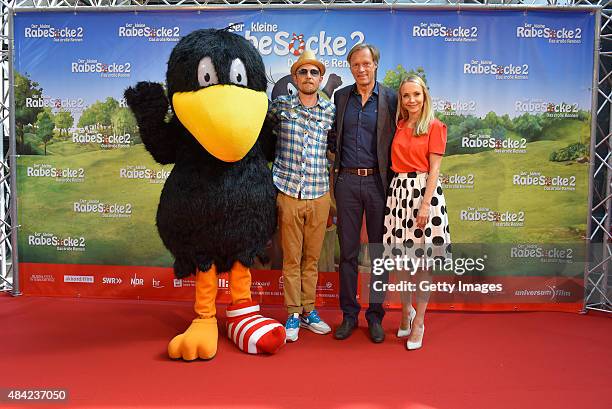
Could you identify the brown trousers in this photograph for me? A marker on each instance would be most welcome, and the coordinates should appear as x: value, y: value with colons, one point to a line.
x: 302, y: 224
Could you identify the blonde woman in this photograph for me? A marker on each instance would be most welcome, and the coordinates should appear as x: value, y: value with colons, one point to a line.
x: 416, y: 216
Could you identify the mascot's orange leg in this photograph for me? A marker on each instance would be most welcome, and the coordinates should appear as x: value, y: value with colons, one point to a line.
x: 200, y: 339
x: 249, y: 330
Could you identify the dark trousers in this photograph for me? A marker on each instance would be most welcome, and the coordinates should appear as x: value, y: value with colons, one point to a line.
x: 354, y: 196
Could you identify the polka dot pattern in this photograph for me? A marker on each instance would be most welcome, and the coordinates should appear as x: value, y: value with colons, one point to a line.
x: 401, y: 213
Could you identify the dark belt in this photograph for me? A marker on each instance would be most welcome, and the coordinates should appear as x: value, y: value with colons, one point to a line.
x: 359, y: 171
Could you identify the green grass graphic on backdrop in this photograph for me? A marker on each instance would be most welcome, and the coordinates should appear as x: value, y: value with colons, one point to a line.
x: 45, y: 206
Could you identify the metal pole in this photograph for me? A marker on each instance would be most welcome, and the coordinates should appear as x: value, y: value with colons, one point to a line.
x: 13, y: 163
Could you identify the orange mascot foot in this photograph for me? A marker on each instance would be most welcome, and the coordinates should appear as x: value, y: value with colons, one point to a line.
x: 252, y: 332
x: 200, y: 339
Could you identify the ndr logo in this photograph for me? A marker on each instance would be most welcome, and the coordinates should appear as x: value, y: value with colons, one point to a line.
x: 136, y: 281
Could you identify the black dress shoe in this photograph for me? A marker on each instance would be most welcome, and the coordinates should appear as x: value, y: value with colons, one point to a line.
x: 344, y: 330
x: 377, y: 333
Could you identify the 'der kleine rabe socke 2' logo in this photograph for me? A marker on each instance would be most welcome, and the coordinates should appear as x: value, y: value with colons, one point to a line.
x: 454, y: 107
x: 270, y: 38
x: 553, y: 182
x: 457, y: 181
x: 499, y: 218
x: 90, y: 135
x: 152, y: 34
x: 103, y: 69
x: 550, y: 109
x: 66, y: 34
x: 110, y: 210
x: 56, y: 104
x: 60, y: 243
x: 501, y: 146
x: 486, y: 67
x: 142, y: 172
x: 557, y: 35
x: 61, y: 175
x: 449, y: 34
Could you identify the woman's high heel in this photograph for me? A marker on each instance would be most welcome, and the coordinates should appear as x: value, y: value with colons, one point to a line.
x: 401, y: 333
x: 412, y: 345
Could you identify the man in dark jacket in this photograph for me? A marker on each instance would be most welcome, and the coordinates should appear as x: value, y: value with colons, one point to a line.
x: 365, y: 126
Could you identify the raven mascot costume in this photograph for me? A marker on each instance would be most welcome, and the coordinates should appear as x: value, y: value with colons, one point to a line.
x: 217, y: 210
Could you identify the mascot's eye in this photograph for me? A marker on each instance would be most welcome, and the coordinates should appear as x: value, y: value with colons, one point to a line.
x: 238, y: 73
x: 206, y: 72
x: 291, y: 90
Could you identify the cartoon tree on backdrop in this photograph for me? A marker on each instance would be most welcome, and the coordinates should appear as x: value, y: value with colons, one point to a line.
x: 25, y: 88
x: 45, y: 126
x: 63, y: 121
x: 108, y: 116
x: 394, y: 77
x: 123, y: 121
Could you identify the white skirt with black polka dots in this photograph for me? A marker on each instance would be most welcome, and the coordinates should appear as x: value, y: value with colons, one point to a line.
x: 403, y: 202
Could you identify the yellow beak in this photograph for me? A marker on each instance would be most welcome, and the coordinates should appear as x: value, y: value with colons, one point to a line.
x: 225, y: 119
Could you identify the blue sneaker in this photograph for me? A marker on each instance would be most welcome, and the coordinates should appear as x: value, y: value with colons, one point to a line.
x: 313, y: 322
x: 292, y: 327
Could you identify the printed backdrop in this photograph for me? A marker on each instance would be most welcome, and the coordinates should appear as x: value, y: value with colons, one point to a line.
x: 513, y: 87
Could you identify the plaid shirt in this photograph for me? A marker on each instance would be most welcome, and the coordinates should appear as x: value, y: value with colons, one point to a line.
x: 300, y: 166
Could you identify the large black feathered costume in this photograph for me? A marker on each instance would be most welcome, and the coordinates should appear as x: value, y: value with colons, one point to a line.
x: 217, y: 210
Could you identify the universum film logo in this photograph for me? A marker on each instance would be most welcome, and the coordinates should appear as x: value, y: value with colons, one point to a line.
x: 498, y: 71
x: 561, y: 35
x: 450, y: 34
x: 61, y: 175
x: 479, y: 141
x: 551, y: 291
x: 104, y: 69
x: 141, y: 172
x: 457, y: 107
x: 57, y: 34
x: 110, y: 210
x: 153, y: 34
x: 550, y: 109
x: 557, y: 182
x: 498, y: 218
x: 68, y: 243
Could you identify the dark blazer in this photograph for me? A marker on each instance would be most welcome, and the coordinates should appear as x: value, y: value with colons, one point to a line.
x: 385, y: 130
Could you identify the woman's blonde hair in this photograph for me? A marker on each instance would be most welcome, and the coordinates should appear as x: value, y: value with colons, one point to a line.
x: 427, y: 113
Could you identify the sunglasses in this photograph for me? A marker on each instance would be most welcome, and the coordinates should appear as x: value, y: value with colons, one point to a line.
x: 313, y: 72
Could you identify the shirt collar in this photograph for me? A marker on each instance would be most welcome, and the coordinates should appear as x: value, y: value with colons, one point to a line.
x: 374, y: 91
x: 295, y: 101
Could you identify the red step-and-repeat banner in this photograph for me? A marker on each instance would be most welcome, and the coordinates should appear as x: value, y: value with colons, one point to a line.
x: 513, y: 87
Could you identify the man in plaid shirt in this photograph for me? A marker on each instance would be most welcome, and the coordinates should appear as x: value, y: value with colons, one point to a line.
x: 300, y: 172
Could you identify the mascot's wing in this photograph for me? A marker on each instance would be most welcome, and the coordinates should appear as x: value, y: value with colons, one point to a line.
x: 267, y: 137
x: 149, y: 104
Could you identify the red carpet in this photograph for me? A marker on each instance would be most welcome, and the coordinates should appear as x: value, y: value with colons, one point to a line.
x: 111, y: 353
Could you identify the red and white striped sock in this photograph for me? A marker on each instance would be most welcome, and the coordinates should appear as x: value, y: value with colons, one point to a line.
x: 252, y: 332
